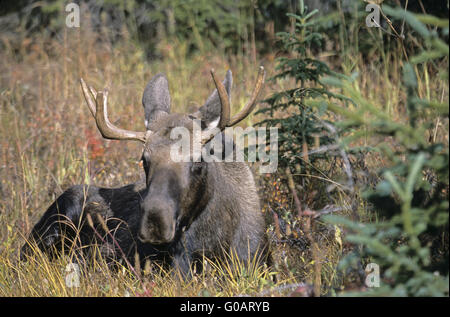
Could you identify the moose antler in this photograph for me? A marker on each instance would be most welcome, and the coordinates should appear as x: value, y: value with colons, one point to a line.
x: 225, y: 120
x: 100, y: 113
x: 99, y: 110
x: 252, y: 102
x: 224, y: 101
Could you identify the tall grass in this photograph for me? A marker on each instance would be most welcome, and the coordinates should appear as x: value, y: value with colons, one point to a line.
x: 49, y: 141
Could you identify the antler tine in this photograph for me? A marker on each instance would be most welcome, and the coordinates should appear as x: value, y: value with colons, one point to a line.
x: 225, y: 120
x: 252, y: 102
x: 107, y: 129
x: 100, y: 113
x: 88, y: 97
x: 224, y: 101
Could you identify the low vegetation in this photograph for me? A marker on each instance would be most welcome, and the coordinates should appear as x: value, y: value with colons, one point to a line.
x: 363, y: 166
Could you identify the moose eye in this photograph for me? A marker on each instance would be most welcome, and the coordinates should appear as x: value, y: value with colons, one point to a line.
x: 145, y: 164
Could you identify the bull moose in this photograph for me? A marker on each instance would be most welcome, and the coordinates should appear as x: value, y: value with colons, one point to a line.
x: 182, y: 210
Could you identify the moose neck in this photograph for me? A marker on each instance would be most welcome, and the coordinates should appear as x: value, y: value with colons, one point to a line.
x: 218, y: 194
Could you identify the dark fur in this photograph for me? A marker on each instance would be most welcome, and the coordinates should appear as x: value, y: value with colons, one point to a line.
x: 196, y: 208
x: 119, y: 208
x: 185, y: 210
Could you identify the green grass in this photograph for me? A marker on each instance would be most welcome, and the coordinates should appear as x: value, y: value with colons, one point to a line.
x: 49, y: 142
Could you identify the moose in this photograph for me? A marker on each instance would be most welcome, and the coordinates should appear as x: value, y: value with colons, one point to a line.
x: 181, y: 211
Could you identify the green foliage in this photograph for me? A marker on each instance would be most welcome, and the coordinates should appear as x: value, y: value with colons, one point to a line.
x: 300, y: 128
x: 234, y: 26
x: 48, y: 139
x: 410, y: 242
x: 227, y: 24
x: 203, y: 22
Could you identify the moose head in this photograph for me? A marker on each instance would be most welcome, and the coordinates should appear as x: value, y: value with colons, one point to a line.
x: 176, y: 192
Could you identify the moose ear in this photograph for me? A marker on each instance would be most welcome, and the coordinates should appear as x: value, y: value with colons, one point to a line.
x: 156, y: 98
x: 210, y: 111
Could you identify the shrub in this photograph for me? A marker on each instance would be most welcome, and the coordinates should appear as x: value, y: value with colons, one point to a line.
x: 410, y: 240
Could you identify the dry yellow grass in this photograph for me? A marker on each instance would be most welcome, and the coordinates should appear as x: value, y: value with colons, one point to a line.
x: 48, y: 142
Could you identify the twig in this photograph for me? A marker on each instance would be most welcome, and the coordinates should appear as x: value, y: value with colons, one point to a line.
x: 308, y: 229
x: 291, y: 186
x: 346, y: 161
x: 276, y: 222
x: 321, y: 149
x: 400, y: 37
